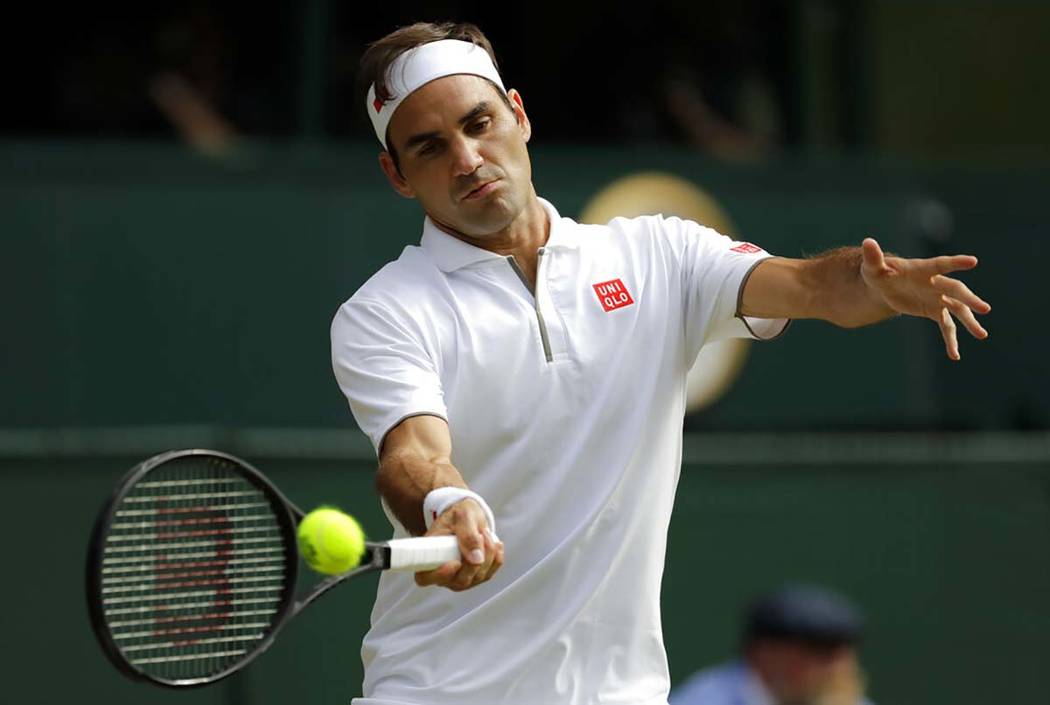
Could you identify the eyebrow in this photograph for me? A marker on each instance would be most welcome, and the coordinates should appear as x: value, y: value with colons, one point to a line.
x: 418, y: 139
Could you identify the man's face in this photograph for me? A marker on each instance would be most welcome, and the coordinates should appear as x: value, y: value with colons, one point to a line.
x: 462, y: 153
x: 797, y: 673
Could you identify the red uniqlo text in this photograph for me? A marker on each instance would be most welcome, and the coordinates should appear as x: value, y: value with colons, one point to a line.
x: 746, y: 248
x: 613, y: 295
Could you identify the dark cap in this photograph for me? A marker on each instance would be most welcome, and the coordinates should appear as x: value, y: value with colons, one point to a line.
x: 807, y: 613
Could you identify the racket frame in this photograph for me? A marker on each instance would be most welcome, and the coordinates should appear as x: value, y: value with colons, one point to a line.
x: 287, y: 516
x: 378, y: 556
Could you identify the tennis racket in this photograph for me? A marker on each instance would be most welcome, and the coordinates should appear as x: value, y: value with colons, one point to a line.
x: 193, y: 563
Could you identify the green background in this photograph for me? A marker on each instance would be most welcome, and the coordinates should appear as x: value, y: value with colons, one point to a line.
x: 144, y: 285
x: 942, y: 540
x: 154, y: 300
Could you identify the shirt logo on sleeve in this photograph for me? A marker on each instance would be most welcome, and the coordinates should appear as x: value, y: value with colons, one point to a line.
x: 613, y: 295
x: 746, y: 248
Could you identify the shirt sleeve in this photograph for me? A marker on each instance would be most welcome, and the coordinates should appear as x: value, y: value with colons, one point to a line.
x: 383, y: 368
x: 714, y: 270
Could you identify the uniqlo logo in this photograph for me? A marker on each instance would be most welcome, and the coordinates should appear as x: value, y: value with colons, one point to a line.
x: 746, y: 248
x: 613, y: 295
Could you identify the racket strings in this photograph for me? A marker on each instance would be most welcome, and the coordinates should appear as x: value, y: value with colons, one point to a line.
x: 193, y: 569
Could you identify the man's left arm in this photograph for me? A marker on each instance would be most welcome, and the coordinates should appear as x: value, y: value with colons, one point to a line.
x: 857, y: 286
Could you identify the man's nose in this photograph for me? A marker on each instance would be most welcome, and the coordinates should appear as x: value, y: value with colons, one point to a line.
x: 466, y: 157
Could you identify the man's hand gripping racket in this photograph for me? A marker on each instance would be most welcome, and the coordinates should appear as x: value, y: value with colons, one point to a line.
x: 193, y: 562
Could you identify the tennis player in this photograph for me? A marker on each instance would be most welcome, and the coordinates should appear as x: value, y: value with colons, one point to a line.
x: 522, y: 378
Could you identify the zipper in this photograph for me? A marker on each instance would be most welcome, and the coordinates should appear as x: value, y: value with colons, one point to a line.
x: 535, y: 299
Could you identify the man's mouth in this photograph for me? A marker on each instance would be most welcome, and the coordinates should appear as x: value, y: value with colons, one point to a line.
x: 480, y: 190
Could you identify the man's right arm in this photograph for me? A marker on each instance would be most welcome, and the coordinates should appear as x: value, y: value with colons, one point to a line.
x: 414, y: 460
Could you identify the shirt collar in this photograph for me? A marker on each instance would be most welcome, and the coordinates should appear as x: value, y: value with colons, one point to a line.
x: 450, y: 253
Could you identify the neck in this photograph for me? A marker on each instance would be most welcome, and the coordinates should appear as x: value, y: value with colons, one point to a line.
x: 522, y: 238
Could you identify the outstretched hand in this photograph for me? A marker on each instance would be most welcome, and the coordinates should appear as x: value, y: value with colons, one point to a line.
x: 919, y: 287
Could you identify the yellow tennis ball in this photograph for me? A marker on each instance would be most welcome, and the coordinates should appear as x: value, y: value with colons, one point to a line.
x: 330, y: 541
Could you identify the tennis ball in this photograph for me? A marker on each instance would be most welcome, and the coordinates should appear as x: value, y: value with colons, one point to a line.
x: 330, y: 541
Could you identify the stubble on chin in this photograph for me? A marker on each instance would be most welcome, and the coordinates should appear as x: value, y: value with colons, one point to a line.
x: 485, y: 219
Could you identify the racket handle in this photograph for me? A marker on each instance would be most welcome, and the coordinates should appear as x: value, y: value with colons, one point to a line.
x: 423, y: 553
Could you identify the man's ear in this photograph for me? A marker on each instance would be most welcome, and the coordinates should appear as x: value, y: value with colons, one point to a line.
x: 386, y: 163
x: 518, y: 107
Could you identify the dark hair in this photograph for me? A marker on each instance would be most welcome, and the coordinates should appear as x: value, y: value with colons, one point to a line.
x: 383, y: 52
x: 817, y: 616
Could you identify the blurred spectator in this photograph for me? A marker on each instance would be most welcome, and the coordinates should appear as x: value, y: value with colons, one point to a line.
x: 755, y: 132
x: 189, y: 68
x: 798, y: 648
x: 194, y: 79
x: 646, y: 74
x: 713, y: 78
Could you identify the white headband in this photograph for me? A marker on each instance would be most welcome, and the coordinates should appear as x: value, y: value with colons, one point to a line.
x: 419, y: 66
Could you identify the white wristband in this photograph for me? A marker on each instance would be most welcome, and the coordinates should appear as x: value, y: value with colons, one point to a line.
x: 437, y: 501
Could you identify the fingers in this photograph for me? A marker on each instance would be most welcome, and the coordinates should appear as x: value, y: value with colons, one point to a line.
x: 947, y: 326
x: 954, y: 263
x: 960, y: 292
x: 497, y: 556
x: 965, y: 315
x: 472, y: 546
x: 481, y: 553
x: 873, y: 256
x: 470, y: 574
x: 954, y: 307
x: 439, y: 576
x: 470, y: 532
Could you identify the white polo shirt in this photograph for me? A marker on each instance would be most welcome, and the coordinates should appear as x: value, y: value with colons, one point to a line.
x: 565, y: 408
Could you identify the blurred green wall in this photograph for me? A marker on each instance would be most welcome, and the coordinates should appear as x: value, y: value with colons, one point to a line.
x: 146, y: 285
x: 942, y: 540
x: 155, y: 299
x: 959, y: 78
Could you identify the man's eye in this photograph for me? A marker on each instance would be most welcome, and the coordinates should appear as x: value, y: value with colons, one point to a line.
x: 480, y: 125
x: 427, y: 149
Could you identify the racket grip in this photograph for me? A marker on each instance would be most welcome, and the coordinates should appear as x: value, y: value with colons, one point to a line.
x: 423, y: 553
